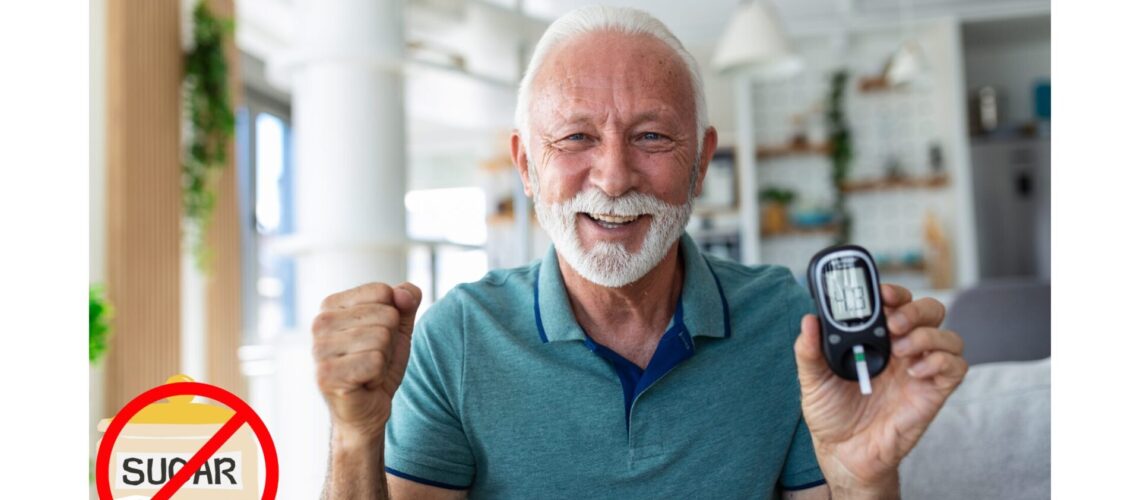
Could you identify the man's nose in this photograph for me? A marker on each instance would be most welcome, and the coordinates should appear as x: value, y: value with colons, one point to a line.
x: 612, y: 171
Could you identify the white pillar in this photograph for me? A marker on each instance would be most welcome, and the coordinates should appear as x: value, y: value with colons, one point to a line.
x: 746, y: 162
x: 348, y: 116
x: 349, y: 154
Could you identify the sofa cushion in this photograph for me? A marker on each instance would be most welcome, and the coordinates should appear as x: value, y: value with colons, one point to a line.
x: 991, y: 439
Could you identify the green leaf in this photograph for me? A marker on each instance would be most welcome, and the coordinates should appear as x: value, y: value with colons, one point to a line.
x: 208, y: 105
x: 99, y: 328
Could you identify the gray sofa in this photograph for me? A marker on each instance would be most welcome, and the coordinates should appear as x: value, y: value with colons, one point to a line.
x: 992, y: 438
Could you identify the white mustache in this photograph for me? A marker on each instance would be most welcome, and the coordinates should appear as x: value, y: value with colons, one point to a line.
x: 607, y: 263
x: 631, y: 204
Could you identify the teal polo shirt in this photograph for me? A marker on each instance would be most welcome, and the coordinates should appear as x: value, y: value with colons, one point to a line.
x: 506, y: 396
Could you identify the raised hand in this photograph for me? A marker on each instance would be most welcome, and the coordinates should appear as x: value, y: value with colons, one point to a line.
x: 361, y: 341
x: 860, y: 440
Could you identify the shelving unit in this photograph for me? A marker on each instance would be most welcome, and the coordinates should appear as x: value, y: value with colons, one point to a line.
x: 894, y: 129
x: 930, y: 182
x: 775, y: 151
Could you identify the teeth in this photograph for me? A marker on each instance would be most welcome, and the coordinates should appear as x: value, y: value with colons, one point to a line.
x: 614, y: 219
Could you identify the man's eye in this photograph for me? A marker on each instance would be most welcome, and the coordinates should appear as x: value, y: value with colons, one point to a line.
x: 576, y: 137
x: 652, y: 136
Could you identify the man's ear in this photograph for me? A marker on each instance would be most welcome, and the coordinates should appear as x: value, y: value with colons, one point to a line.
x: 518, y: 156
x: 708, y: 149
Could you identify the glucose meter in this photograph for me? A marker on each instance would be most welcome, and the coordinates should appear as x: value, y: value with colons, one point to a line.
x: 853, y: 329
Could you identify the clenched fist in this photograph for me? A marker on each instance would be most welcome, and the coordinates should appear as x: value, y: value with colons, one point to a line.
x: 361, y: 340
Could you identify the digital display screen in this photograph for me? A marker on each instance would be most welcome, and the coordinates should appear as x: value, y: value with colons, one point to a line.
x: 849, y: 294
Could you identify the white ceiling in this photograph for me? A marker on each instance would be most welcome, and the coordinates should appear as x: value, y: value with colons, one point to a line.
x: 267, y: 25
x: 480, y: 29
x: 700, y: 22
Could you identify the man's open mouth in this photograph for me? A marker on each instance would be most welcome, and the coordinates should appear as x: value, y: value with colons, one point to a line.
x: 610, y: 221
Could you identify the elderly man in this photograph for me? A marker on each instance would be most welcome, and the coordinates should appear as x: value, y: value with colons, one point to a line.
x: 625, y: 363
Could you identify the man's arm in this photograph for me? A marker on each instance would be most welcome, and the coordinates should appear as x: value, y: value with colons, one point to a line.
x: 823, y: 492
x: 404, y: 488
x: 361, y: 344
x: 357, y: 471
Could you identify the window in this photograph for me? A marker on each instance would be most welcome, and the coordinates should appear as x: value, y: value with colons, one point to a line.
x: 448, y: 229
x: 266, y: 182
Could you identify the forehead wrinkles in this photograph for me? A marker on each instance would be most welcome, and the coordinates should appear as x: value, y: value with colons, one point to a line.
x: 612, y: 71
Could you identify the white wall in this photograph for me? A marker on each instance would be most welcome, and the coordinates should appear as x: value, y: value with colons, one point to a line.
x: 1011, y: 55
x: 901, y: 123
x: 97, y: 216
x: 98, y: 145
x: 718, y: 96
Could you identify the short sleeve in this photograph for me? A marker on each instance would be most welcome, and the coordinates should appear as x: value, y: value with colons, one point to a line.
x: 799, y: 303
x: 425, y: 439
x: 801, y: 470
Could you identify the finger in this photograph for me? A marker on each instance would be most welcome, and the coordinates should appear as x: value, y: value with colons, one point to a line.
x: 810, y: 364
x: 350, y: 372
x: 939, y: 363
x: 807, y: 344
x: 407, y: 299
x: 351, y: 341
x: 922, y: 312
x: 370, y: 293
x: 358, y: 315
x: 924, y: 339
x: 894, y: 295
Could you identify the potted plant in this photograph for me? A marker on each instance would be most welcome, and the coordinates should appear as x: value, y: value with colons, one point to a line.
x: 775, y: 212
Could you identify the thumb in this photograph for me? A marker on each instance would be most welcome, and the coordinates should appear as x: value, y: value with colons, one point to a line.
x: 407, y: 298
x: 811, y: 365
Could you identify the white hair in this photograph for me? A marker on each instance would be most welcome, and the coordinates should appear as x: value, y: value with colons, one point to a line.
x: 600, y: 18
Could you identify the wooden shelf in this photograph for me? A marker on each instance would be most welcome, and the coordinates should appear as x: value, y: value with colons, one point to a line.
x: 876, y: 83
x: 499, y: 219
x: 801, y: 231
x: 764, y: 152
x: 778, y: 150
x: 705, y: 211
x: 930, y: 182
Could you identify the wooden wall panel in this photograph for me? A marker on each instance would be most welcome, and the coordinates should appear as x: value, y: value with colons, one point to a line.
x: 223, y: 290
x: 144, y: 76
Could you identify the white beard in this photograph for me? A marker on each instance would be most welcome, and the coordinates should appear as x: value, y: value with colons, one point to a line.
x: 610, y: 264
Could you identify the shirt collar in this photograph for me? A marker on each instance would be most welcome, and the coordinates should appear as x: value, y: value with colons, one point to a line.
x: 705, y: 313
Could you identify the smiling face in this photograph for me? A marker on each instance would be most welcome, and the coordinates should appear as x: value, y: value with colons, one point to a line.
x: 612, y: 159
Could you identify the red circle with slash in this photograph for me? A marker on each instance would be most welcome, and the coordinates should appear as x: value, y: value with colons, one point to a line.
x: 243, y: 414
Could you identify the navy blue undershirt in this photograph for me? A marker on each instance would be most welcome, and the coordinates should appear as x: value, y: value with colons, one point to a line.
x: 675, y: 346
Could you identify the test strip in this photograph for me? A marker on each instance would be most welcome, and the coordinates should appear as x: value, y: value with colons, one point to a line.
x: 861, y: 370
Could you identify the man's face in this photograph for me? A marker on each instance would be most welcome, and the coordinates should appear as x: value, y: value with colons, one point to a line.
x: 612, y: 152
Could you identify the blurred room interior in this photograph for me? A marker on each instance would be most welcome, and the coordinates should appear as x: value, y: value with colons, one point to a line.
x: 370, y: 142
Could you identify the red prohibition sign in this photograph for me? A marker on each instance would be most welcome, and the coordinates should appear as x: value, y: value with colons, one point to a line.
x: 243, y: 414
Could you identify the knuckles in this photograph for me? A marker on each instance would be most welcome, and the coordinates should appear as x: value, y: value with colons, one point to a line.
x: 938, y: 309
x: 374, y: 315
x: 380, y: 292
x: 383, y: 314
x: 375, y: 361
x: 325, y: 375
x: 323, y: 321
x: 330, y: 302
